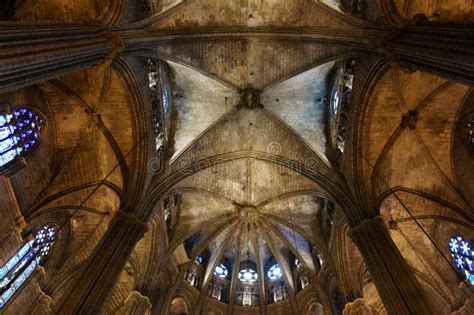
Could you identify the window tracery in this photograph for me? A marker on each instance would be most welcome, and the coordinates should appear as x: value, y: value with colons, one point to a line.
x: 463, y: 256
x: 274, y: 272
x: 19, y: 133
x: 248, y: 275
x: 278, y: 292
x: 20, y: 267
x: 221, y: 271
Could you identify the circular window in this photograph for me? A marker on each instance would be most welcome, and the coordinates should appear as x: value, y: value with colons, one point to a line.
x: 274, y: 272
x: 248, y: 275
x: 221, y: 271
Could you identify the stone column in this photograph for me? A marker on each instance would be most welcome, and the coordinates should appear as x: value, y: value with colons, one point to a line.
x: 102, y: 269
x: 135, y: 304
x: 397, y: 286
x: 43, y: 305
x: 359, y: 307
x: 442, y: 49
x: 33, y: 52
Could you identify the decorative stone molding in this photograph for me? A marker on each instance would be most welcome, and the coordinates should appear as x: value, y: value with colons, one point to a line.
x: 359, y: 307
x: 43, y: 305
x: 465, y: 309
x: 131, y: 219
x: 135, y: 303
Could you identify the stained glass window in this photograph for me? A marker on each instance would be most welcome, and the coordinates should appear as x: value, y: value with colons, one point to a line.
x: 463, y: 256
x: 248, y: 275
x: 14, y: 273
x: 160, y: 94
x: 221, y: 271
x: 274, y: 272
x: 470, y: 133
x: 19, y: 133
x: 198, y: 260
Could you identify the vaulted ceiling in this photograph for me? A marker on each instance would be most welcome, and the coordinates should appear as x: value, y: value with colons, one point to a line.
x: 242, y: 199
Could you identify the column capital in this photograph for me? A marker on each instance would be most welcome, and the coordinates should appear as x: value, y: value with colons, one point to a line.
x: 366, y: 225
x: 130, y: 219
x: 359, y: 307
x: 136, y: 303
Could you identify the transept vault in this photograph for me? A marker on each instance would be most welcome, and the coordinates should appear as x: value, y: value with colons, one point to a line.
x: 237, y: 157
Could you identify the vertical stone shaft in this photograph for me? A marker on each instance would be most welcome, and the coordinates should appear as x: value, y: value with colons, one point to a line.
x: 33, y: 52
x: 100, y: 273
x: 441, y: 49
x: 398, y: 288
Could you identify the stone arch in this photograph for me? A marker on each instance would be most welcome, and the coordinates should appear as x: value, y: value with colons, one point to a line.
x: 315, y: 309
x: 178, y: 307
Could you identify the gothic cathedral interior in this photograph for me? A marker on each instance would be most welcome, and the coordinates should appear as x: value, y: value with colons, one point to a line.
x: 244, y: 157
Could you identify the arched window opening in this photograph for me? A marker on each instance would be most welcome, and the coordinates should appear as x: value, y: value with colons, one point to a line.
x: 247, y: 294
x: 199, y: 260
x: 297, y: 263
x: 160, y: 101
x: 217, y: 289
x: 303, y: 279
x: 274, y: 272
x: 278, y: 292
x: 18, y: 269
x: 19, y: 133
x: 193, y: 276
x: 463, y: 256
x: 339, y: 100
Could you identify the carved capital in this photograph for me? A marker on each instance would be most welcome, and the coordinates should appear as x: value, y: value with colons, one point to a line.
x: 367, y: 225
x: 135, y: 303
x: 359, y: 307
x: 131, y: 219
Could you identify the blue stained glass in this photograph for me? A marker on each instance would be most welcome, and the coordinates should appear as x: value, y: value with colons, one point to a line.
x: 8, y: 294
x: 463, y: 256
x: 6, y: 131
x: 453, y: 244
x: 8, y: 144
x: 5, y: 119
x: 8, y: 157
x: 465, y: 248
x: 17, y: 270
x: 275, y: 272
x: 18, y: 133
